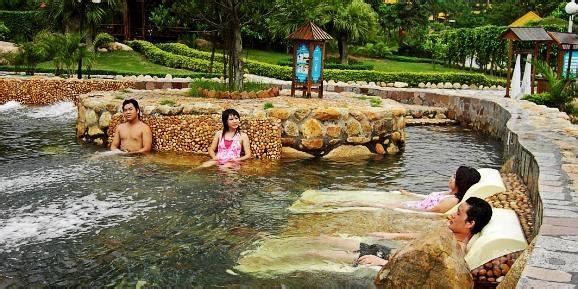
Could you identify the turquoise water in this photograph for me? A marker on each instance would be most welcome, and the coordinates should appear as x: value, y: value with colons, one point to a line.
x: 73, y: 216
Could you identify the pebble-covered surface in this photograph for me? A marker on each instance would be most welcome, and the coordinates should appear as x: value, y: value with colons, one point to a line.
x: 194, y: 133
x: 43, y: 91
x: 493, y: 272
x: 515, y: 198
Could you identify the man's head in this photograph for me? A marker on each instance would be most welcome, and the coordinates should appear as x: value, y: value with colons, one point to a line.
x: 130, y: 109
x: 472, y: 216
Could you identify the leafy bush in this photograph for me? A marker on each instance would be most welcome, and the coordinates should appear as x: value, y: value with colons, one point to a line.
x: 199, y: 84
x: 31, y: 54
x: 168, y: 102
x: 543, y: 98
x: 179, y: 55
x: 561, y: 91
x: 102, y: 40
x: 376, y: 50
x: 161, y: 17
x: 22, y: 25
x: 4, y: 31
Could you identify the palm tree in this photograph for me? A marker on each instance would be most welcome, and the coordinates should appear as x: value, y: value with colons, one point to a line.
x: 355, y: 21
x: 66, y: 14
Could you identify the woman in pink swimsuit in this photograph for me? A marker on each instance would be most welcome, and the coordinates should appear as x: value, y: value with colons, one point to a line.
x: 228, y: 144
x: 440, y: 202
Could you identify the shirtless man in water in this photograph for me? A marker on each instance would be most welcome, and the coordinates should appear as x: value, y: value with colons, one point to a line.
x: 133, y: 136
x: 472, y: 216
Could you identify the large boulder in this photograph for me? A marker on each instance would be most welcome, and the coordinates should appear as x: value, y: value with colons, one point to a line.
x: 435, y: 261
x: 8, y: 47
x: 117, y: 46
x: 348, y: 151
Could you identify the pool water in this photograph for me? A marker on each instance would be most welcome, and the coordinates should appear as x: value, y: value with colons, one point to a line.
x: 72, y: 215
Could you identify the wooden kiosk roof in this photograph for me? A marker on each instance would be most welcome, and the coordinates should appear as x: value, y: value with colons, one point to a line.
x: 309, y: 31
x: 564, y: 38
x: 537, y: 34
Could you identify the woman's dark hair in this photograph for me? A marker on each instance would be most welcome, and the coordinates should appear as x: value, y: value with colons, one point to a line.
x: 480, y: 212
x: 133, y: 102
x: 465, y: 178
x: 225, y: 118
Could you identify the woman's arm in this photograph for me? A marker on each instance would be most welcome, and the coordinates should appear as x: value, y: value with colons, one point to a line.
x: 214, y: 145
x: 392, y: 236
x: 246, y: 147
x: 444, y: 205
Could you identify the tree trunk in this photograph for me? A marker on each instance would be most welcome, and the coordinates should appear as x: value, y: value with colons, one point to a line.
x: 212, y: 61
x: 342, y: 44
x: 235, y: 47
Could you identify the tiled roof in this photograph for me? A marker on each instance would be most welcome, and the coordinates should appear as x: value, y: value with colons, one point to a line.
x: 309, y: 31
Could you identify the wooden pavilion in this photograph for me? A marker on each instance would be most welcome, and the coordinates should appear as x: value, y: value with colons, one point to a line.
x: 535, y: 35
x: 567, y: 45
x: 133, y: 22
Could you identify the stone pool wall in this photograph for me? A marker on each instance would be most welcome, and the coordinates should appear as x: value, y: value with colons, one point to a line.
x: 319, y: 130
x: 173, y: 131
x: 542, y: 145
x: 184, y: 124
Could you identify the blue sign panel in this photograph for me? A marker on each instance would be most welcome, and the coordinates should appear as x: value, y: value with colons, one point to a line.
x: 302, y: 63
x: 316, y: 68
x: 573, y: 63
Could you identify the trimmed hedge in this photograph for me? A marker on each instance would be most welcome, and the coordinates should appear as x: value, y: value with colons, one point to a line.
x: 412, y: 78
x: 120, y: 72
x: 331, y: 65
x: 412, y: 59
x: 253, y: 67
x: 173, y: 52
x: 22, y: 24
x: 159, y: 56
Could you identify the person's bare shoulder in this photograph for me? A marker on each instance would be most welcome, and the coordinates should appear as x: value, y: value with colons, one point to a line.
x: 144, y: 126
x: 121, y: 126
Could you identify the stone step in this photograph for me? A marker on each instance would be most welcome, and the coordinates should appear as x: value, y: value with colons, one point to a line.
x: 429, y: 121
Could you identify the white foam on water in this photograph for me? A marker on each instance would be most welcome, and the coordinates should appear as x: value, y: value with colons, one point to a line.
x: 67, y: 218
x: 11, y: 105
x: 31, y: 179
x: 62, y: 110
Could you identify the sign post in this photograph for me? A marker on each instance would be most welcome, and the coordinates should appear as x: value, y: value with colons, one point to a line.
x: 308, y: 59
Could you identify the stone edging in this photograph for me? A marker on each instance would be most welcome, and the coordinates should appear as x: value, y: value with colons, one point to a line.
x: 542, y: 145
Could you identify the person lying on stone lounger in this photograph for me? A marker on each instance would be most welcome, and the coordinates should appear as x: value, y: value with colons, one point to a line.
x: 437, y: 202
x: 471, y: 217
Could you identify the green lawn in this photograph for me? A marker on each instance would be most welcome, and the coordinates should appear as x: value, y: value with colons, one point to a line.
x: 127, y: 62
x: 384, y: 65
